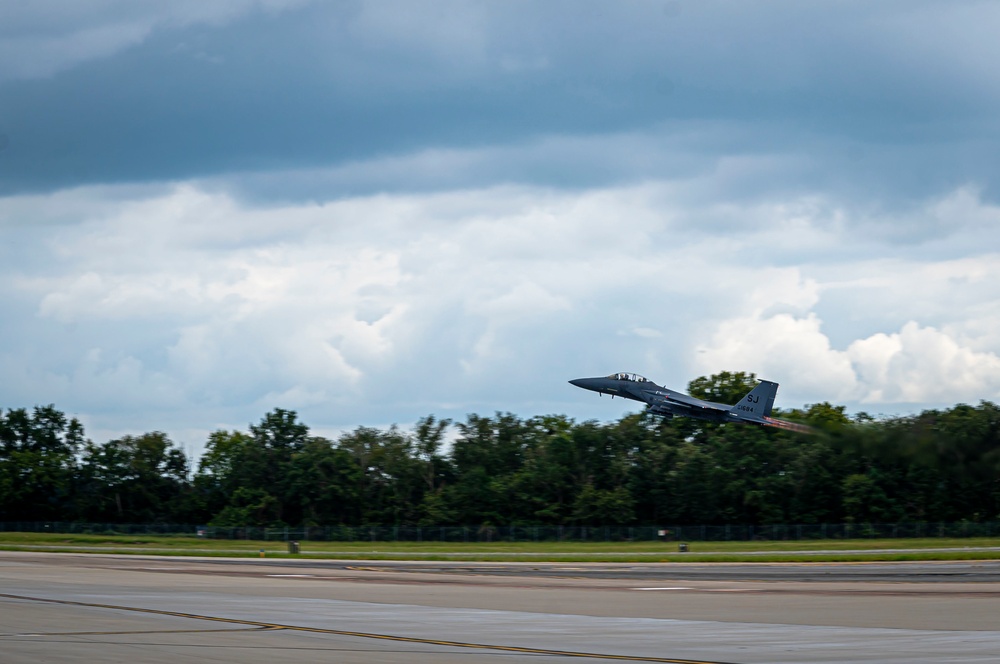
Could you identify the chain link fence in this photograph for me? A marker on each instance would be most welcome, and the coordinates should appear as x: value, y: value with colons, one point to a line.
x: 489, y: 533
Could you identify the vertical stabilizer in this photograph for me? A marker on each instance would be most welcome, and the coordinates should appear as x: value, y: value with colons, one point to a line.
x: 757, y: 404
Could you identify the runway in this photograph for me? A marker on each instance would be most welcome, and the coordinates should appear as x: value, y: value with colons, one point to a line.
x: 69, y: 607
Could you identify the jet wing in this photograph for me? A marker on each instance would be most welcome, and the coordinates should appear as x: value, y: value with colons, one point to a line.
x: 691, y: 402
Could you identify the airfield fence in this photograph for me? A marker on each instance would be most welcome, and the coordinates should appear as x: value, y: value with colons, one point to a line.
x: 488, y: 533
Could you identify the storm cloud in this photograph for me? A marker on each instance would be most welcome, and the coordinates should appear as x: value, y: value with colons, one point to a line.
x: 372, y: 211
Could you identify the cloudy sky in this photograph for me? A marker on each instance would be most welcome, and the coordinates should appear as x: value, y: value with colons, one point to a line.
x: 373, y: 211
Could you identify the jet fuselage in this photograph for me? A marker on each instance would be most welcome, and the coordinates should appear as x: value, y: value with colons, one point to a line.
x: 754, y: 408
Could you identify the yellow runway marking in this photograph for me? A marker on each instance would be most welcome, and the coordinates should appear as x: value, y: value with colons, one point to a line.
x: 368, y: 635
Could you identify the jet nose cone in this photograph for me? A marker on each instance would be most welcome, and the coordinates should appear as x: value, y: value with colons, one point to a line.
x: 596, y: 384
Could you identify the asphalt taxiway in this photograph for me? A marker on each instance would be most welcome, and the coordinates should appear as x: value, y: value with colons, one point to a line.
x: 69, y: 607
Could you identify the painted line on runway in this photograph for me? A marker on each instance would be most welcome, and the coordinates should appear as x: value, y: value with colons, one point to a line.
x: 704, y: 590
x: 315, y: 577
x: 369, y: 635
x: 141, y: 631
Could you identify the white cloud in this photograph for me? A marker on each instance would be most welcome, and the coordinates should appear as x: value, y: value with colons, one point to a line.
x: 942, y: 346
x: 914, y: 365
x: 784, y: 348
x: 388, y: 307
x: 922, y: 364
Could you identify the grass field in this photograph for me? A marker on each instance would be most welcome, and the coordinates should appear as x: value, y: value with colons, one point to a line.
x: 783, y: 551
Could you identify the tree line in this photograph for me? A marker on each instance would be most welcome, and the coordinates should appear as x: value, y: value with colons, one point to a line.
x: 940, y: 465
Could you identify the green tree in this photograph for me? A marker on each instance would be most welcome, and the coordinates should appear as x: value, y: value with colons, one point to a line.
x: 428, y: 439
x: 249, y: 507
x: 696, y: 485
x: 281, y: 432
x: 38, y: 464
x: 865, y: 501
x: 436, y: 470
x: 655, y: 457
x: 727, y: 387
x: 258, y: 461
x: 486, y: 456
x: 542, y: 488
x: 138, y: 479
x: 323, y: 482
x: 220, y: 472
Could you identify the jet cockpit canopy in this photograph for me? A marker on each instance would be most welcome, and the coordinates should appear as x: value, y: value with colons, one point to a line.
x: 636, y: 378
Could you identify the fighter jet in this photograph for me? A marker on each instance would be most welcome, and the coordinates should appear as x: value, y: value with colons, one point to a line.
x: 754, y: 408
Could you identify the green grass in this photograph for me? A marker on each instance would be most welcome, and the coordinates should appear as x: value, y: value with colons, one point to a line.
x: 783, y: 551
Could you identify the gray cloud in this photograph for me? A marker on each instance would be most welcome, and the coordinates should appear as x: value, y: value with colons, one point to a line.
x: 40, y: 39
x: 370, y: 211
x: 328, y: 86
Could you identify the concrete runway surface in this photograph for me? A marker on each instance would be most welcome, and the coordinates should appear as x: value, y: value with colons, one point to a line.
x: 145, y: 609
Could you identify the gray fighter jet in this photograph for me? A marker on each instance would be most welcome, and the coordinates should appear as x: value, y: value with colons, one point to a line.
x: 754, y: 408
